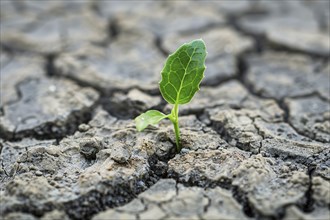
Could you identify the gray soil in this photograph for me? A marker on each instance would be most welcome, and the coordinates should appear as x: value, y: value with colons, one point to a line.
x: 75, y: 74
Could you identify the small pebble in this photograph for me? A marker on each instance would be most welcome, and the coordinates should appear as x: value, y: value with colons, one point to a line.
x: 58, y: 177
x: 32, y: 167
x: 184, y: 150
x: 83, y: 127
x: 120, y: 154
x: 38, y: 173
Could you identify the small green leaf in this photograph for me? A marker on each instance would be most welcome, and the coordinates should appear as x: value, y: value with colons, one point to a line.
x: 150, y: 117
x: 183, y: 72
x: 181, y: 76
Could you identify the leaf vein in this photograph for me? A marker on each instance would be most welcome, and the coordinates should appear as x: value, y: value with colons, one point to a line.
x: 184, y: 76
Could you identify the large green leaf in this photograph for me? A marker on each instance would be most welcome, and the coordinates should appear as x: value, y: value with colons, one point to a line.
x: 183, y: 72
x: 150, y: 117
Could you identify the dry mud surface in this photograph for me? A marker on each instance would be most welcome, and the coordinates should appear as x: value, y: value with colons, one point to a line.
x: 255, y: 138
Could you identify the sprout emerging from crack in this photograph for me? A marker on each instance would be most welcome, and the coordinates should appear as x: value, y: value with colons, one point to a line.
x: 181, y: 76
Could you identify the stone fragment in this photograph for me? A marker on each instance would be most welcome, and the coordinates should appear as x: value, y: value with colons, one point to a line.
x: 181, y: 17
x: 47, y: 107
x: 298, y: 150
x: 130, y: 61
x: 40, y: 160
x: 270, y: 185
x: 322, y: 14
x: 4, y: 59
x: 120, y: 154
x: 189, y: 202
x: 278, y: 130
x: 321, y: 162
x: 281, y: 75
x: 90, y: 147
x: 222, y: 205
x: 237, y: 128
x: 248, y: 131
x: 321, y: 191
x: 293, y: 26
x: 293, y: 212
x: 19, y: 216
x: 111, y: 9
x: 11, y: 151
x: 267, y: 109
x: 267, y: 184
x: 68, y: 180
x: 262, y: 25
x: 132, y: 104
x: 298, y: 9
x: 166, y: 200
x: 310, y: 116
x: 304, y: 41
x: 240, y: 7
x: 55, y: 215
x: 11, y: 10
x: 206, y: 168
x: 14, y: 72
x: 13, y: 19
x: 114, y: 215
x: 83, y: 127
x: 220, y: 69
x: 57, y: 34
x: 135, y: 206
x: 193, y: 140
x: 323, y: 91
x: 38, y: 173
x: 163, y: 191
x: 153, y: 211
x: 280, y: 139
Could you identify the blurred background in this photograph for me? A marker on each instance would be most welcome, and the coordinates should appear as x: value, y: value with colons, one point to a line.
x: 124, y: 43
x: 276, y: 48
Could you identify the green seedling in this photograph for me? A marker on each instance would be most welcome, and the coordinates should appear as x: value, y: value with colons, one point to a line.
x: 181, y: 76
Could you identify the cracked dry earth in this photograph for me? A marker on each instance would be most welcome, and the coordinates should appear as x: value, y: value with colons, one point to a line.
x: 255, y: 138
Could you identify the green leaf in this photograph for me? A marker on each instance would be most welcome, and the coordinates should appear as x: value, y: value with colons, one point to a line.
x: 183, y: 72
x: 150, y: 117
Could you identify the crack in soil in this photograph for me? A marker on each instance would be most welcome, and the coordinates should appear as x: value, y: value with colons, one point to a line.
x: 50, y: 130
x: 287, y: 120
x: 2, y: 162
x: 307, y: 205
x: 238, y: 194
x: 49, y: 64
x: 260, y: 41
x: 113, y: 29
x: 242, y: 70
x: 209, y: 202
x: 259, y: 133
x: 159, y: 45
x: 107, y: 195
x: 46, y: 130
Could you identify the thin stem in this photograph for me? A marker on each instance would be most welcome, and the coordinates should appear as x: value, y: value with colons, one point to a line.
x: 176, y: 127
x: 177, y: 136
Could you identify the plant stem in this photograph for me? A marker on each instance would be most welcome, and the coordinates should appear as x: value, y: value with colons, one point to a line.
x: 176, y: 127
x: 177, y: 136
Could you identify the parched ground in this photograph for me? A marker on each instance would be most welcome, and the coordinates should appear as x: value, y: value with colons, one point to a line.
x: 74, y: 75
